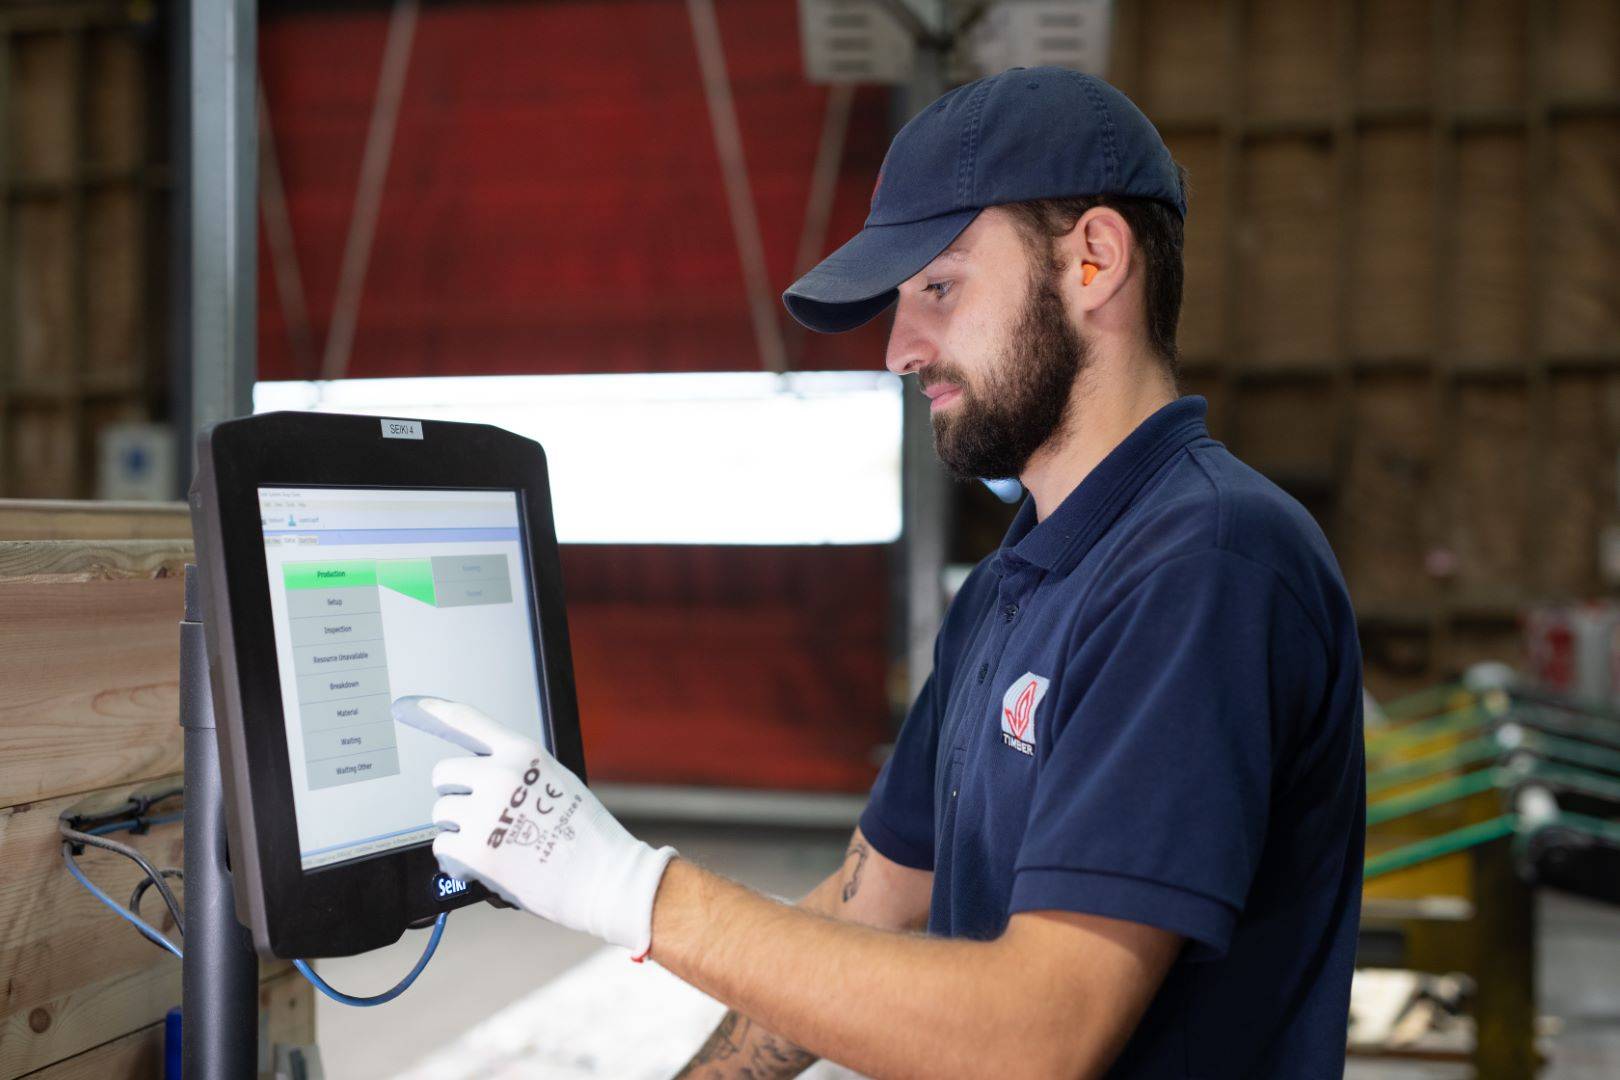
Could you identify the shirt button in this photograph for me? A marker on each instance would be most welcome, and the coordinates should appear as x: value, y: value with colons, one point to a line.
x: 1009, y: 611
x: 984, y: 669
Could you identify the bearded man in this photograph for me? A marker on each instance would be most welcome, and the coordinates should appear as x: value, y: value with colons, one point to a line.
x: 1121, y: 830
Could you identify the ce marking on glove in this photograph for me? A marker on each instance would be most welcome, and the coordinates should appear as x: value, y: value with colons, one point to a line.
x: 520, y: 828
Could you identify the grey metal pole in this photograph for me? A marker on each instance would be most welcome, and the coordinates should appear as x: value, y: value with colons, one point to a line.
x: 219, y: 979
x: 214, y: 316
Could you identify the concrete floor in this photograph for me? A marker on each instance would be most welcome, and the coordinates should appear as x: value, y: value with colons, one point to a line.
x: 490, y: 959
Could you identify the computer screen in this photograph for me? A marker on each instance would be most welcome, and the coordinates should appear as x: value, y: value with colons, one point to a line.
x: 376, y: 593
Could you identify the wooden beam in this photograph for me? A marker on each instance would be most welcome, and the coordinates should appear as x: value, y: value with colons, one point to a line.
x: 75, y: 519
x: 89, y: 662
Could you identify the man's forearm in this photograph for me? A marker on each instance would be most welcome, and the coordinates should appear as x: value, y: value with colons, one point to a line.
x: 740, y: 1049
x: 884, y: 1003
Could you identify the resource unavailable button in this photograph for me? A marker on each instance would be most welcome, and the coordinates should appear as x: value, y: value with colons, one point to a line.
x: 318, y: 659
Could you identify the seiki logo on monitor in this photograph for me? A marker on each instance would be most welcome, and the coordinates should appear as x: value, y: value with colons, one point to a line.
x: 445, y: 886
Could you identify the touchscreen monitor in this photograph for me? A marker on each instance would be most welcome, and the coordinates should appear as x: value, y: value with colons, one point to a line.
x: 376, y: 593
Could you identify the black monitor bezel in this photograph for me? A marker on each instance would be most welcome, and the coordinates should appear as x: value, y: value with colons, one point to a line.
x: 356, y: 905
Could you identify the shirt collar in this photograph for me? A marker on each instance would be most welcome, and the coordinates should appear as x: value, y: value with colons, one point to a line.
x: 1062, y: 540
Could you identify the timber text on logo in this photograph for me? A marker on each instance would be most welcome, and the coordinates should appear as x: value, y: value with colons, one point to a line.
x: 1018, y: 712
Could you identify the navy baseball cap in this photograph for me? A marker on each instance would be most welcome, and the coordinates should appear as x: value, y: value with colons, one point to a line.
x: 1027, y: 133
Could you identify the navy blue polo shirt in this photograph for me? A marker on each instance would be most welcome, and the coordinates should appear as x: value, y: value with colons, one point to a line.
x: 1148, y: 707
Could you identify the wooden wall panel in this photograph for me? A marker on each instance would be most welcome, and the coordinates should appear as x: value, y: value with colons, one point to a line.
x: 74, y: 970
x: 42, y: 450
x: 1392, y: 302
x: 116, y: 130
x: 1394, y: 57
x: 89, y: 655
x: 1390, y: 514
x: 1288, y: 67
x: 1586, y: 42
x: 41, y: 276
x: 1279, y: 429
x: 1583, y: 293
x: 287, y: 1013
x: 1489, y: 54
x: 1184, y: 70
x: 1202, y: 332
x: 116, y: 297
x: 1492, y: 239
x: 1286, y: 300
x: 1579, y: 473
x: 44, y: 96
x: 81, y: 193
x: 88, y: 713
x: 1492, y: 486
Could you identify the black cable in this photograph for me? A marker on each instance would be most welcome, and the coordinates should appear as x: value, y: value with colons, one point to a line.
x: 147, y: 882
x: 75, y: 836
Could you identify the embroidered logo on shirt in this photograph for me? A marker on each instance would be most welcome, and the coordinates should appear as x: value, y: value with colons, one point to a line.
x: 1018, y: 712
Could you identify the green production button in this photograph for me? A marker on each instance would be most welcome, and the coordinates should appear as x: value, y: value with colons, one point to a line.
x: 329, y: 575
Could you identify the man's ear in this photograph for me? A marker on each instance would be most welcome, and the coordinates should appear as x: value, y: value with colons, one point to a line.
x: 1096, y: 258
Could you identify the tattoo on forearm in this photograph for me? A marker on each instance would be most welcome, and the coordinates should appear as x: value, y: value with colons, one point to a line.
x: 852, y: 884
x: 768, y: 1057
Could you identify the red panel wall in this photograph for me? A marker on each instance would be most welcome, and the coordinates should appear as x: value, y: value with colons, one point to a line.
x: 554, y: 200
x: 554, y: 204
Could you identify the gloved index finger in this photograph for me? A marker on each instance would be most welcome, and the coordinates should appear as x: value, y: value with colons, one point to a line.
x: 457, y: 723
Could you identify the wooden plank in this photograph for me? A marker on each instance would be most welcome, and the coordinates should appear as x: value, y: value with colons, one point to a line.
x: 89, y: 655
x: 43, y: 100
x: 1202, y: 333
x: 1493, y: 479
x: 1394, y: 62
x: 1286, y: 300
x: 1583, y: 209
x: 1490, y: 54
x: 1586, y: 47
x: 1579, y: 472
x: 75, y: 519
x: 42, y: 277
x: 1491, y: 200
x: 43, y: 437
x: 287, y: 1015
x: 119, y: 92
x: 116, y: 316
x: 1391, y: 507
x: 75, y: 972
x: 1288, y: 69
x: 1181, y: 74
x: 1392, y: 296
x: 136, y: 1056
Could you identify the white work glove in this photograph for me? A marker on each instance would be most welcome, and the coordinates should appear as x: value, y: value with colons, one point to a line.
x: 532, y: 832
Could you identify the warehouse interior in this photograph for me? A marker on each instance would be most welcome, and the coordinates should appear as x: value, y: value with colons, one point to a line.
x: 1402, y: 304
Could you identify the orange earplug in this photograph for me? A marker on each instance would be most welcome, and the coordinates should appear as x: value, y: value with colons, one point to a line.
x: 1087, y: 272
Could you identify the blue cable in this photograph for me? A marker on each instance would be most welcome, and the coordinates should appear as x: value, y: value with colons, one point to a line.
x: 120, y: 826
x: 387, y: 995
x: 147, y: 929
x: 150, y: 932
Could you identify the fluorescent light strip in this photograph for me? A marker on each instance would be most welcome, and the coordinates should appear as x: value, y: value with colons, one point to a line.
x: 701, y: 458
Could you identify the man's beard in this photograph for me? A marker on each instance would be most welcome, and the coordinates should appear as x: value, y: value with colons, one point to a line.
x: 1025, y: 395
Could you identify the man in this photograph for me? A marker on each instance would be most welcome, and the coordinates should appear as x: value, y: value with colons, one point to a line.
x: 1128, y: 803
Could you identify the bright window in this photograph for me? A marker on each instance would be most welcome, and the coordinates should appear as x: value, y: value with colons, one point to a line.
x: 703, y: 458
